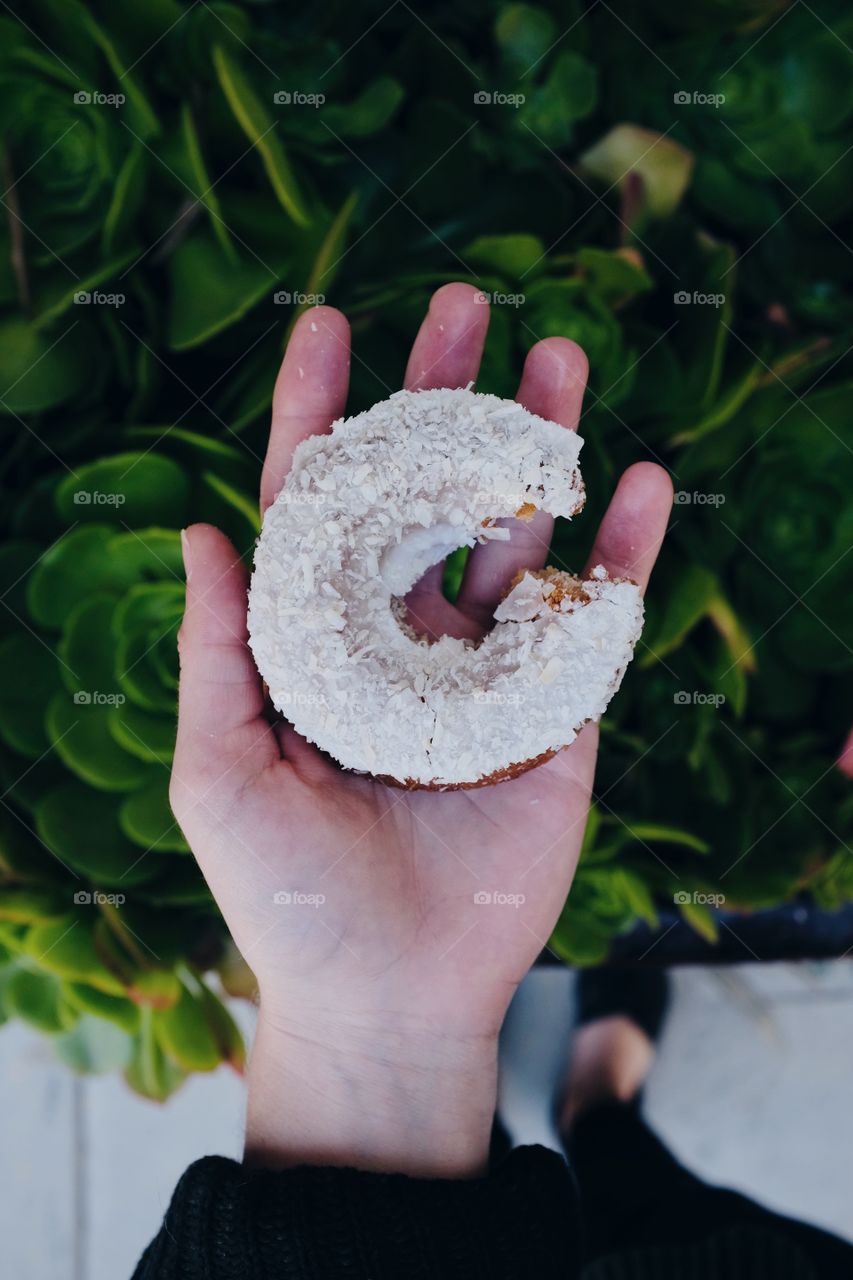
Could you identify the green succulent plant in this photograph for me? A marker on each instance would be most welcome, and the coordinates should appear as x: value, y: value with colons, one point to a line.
x: 103, y: 912
x: 155, y: 251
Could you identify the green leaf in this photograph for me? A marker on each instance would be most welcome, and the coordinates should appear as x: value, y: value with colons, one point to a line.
x: 259, y: 127
x: 106, y: 272
x: 579, y: 938
x: 637, y: 894
x: 146, y: 735
x: 128, y: 193
x: 29, y: 677
x: 236, y: 501
x: 369, y: 112
x: 149, y: 553
x: 39, y: 371
x: 616, y: 275
x: 149, y: 1072
x: 36, y: 998
x: 66, y: 947
x: 146, y: 818
x: 690, y: 597
x: 325, y: 265
x: 701, y: 918
x: 525, y: 34
x: 94, y: 1047
x: 511, y: 256
x: 660, y: 833
x: 87, y: 648
x: 188, y: 1035
x: 77, y: 565
x: 81, y: 827
x: 209, y: 292
x: 116, y: 1009
x: 29, y: 906
x: 81, y: 736
x: 200, y: 179
x: 142, y: 119
x: 136, y: 488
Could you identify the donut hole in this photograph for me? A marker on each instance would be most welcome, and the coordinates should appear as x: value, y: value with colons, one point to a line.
x: 436, y: 559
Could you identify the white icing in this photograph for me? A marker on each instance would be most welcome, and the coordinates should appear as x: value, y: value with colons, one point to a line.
x: 363, y: 513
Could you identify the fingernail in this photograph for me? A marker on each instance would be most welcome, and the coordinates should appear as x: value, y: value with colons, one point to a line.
x: 185, y: 549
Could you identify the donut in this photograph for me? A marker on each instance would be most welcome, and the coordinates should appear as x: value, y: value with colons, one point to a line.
x: 363, y: 513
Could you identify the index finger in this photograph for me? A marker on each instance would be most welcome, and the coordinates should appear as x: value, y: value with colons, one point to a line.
x: 310, y: 391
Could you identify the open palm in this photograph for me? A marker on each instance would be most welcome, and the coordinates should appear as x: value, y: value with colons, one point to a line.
x: 373, y: 899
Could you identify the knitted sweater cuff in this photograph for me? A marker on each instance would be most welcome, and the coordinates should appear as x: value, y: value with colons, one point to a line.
x: 226, y: 1221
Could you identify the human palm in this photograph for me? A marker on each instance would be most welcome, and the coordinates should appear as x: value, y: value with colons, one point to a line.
x: 374, y: 900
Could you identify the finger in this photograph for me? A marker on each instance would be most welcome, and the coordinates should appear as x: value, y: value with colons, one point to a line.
x: 552, y: 386
x: 449, y: 345
x: 310, y: 391
x: 634, y: 524
x: 221, y: 698
x: 446, y: 353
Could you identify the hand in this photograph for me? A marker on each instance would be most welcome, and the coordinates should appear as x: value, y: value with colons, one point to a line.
x: 381, y: 998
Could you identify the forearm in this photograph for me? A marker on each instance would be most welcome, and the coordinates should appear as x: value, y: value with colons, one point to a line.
x: 374, y: 1093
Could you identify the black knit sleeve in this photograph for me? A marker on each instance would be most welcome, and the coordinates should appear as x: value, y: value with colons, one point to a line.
x: 227, y: 1222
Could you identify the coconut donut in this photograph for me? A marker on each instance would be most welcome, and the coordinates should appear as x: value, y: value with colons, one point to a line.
x: 363, y: 513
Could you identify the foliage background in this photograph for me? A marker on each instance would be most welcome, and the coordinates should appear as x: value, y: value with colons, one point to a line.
x: 701, y: 150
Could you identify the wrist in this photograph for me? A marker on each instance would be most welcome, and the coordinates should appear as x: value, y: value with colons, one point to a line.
x: 370, y: 1091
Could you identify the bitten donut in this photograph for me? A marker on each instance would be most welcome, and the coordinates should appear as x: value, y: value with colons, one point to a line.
x: 363, y: 513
